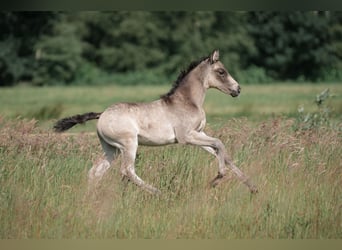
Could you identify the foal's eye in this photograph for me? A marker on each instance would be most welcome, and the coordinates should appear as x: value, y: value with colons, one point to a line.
x: 221, y: 72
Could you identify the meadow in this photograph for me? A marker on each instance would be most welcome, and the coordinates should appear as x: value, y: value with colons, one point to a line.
x: 44, y: 191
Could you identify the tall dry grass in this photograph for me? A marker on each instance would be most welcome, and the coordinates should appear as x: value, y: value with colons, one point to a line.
x: 44, y: 190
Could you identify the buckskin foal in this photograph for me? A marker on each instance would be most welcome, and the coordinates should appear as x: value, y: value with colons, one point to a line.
x: 177, y: 117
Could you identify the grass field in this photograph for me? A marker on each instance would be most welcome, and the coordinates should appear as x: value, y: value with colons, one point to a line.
x: 43, y: 176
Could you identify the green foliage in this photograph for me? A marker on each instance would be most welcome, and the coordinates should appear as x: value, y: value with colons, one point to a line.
x: 20, y: 31
x: 317, y: 119
x: 163, y: 42
x: 59, y: 55
x: 291, y: 45
x: 50, y: 48
x: 332, y: 74
x: 253, y: 74
x: 12, y: 67
x: 118, y: 42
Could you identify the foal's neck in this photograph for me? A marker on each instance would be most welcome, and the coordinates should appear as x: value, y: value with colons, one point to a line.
x: 193, y: 90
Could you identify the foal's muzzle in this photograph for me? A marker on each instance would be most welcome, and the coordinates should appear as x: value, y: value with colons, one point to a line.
x: 235, y: 93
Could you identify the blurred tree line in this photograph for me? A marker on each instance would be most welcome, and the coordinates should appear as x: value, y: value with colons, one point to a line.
x: 49, y: 48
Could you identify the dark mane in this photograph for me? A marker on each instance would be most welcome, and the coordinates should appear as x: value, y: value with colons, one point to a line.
x: 181, y: 77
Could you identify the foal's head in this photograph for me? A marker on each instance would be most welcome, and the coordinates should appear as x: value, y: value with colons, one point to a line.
x: 219, y: 78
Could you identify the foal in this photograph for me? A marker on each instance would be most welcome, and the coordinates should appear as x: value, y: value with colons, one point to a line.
x: 177, y: 117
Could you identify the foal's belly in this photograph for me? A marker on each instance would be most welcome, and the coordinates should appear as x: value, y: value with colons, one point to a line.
x: 155, y: 142
x: 156, y: 136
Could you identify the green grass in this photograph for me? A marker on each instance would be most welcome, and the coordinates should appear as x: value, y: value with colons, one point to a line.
x: 43, y: 176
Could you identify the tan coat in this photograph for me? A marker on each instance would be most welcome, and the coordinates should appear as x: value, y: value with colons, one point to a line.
x: 177, y: 117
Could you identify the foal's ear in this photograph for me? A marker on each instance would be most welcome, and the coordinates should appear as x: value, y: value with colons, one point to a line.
x: 214, y: 57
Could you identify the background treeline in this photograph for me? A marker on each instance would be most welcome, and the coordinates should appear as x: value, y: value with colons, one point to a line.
x: 49, y: 48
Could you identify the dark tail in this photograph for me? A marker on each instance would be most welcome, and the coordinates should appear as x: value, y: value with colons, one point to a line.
x: 68, y: 122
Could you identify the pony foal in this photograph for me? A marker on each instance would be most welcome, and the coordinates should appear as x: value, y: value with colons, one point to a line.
x: 177, y: 117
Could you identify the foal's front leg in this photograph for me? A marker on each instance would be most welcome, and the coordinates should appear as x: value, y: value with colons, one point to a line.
x: 241, y: 176
x: 216, y: 147
x: 234, y: 168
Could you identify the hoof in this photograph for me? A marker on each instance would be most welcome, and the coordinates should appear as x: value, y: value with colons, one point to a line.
x: 125, y: 179
x: 218, y: 179
x: 254, y: 190
x: 153, y: 191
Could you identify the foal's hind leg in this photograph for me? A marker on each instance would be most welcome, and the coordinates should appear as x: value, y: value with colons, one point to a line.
x: 127, y: 168
x: 101, y: 167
